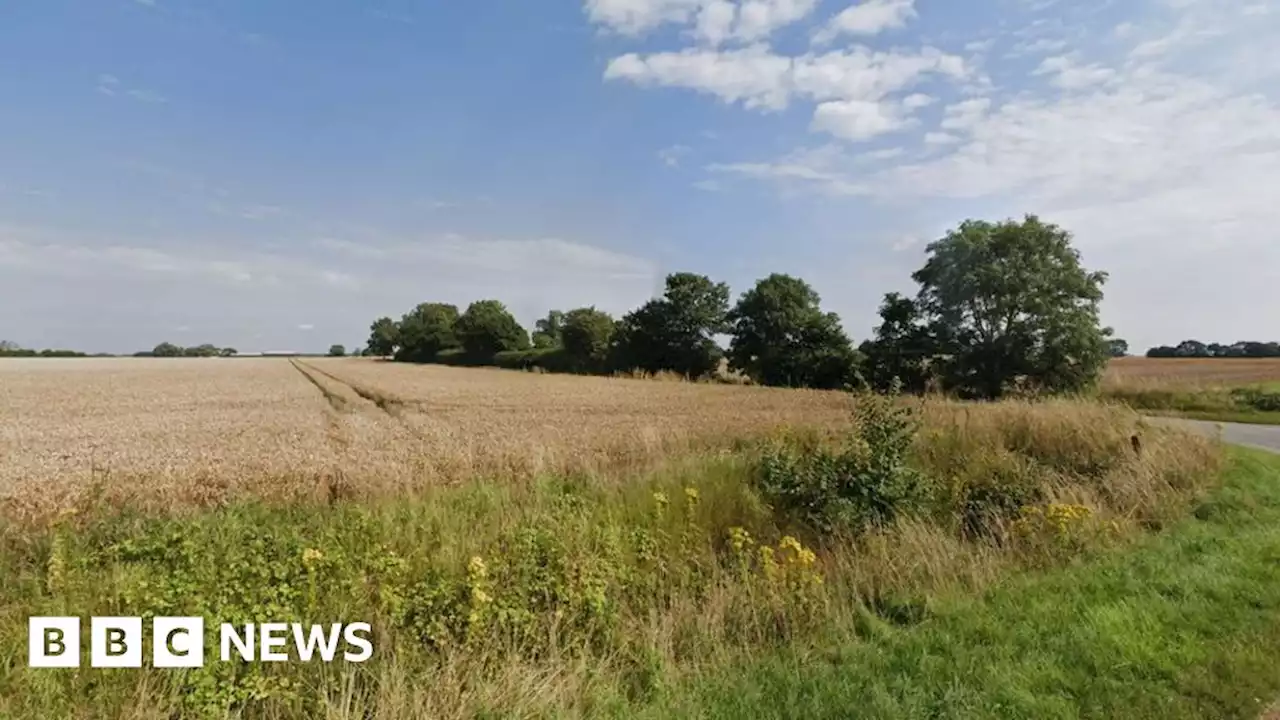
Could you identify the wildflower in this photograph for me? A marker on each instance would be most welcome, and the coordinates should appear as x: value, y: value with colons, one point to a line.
x: 660, y: 498
x: 311, y: 556
x: 476, y: 569
x: 691, y: 494
x: 739, y: 539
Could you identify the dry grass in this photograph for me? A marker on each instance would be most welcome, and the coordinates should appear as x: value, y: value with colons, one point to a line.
x: 1189, y: 373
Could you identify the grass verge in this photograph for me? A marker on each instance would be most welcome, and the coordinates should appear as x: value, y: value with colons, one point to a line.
x: 1186, y: 625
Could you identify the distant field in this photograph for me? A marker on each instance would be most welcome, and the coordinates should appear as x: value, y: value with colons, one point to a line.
x: 1191, y: 372
x: 1219, y: 389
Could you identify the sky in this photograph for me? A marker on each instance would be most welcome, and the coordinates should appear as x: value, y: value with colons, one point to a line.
x: 274, y: 175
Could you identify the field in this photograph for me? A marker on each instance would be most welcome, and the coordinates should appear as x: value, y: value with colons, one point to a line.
x: 1222, y: 389
x: 168, y: 433
x: 531, y: 545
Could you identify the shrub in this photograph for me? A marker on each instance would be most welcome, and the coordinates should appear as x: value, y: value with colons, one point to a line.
x: 1257, y: 399
x: 863, y: 482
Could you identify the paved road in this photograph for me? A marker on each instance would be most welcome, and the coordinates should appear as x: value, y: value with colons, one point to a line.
x: 1262, y: 437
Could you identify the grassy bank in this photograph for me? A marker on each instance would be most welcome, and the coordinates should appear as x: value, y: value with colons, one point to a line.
x: 851, y: 555
x: 1184, y: 625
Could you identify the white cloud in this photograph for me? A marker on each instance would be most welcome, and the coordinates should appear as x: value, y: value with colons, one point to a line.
x: 754, y: 75
x: 1069, y: 75
x: 966, y: 114
x: 867, y: 18
x: 712, y: 22
x: 634, y: 17
x: 670, y: 156
x: 306, y: 327
x: 857, y: 119
x: 850, y: 86
x: 916, y: 101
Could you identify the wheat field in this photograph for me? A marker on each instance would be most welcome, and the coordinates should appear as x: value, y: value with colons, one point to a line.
x: 196, y: 432
x: 1189, y: 373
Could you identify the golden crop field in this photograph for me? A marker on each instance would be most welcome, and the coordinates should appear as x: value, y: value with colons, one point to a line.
x: 180, y: 432
x: 1190, y: 372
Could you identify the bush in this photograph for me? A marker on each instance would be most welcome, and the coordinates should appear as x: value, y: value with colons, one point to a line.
x: 862, y: 483
x: 1257, y: 399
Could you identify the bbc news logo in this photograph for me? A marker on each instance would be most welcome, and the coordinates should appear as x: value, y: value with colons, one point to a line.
x: 178, y: 642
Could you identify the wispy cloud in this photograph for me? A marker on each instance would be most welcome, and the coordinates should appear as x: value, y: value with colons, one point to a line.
x: 111, y: 86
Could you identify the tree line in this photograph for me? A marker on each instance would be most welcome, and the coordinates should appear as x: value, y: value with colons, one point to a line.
x: 12, y: 349
x: 168, y: 349
x: 1000, y: 307
x: 1197, y: 349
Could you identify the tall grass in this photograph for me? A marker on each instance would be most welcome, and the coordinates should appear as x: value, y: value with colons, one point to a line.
x: 586, y: 593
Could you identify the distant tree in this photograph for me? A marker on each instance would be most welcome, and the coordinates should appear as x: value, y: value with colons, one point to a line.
x: 425, y: 331
x: 229, y: 352
x: 1162, y: 351
x: 205, y: 350
x: 586, y: 335
x: 487, y: 328
x: 1117, y: 348
x: 8, y: 346
x: 337, y: 351
x: 166, y: 349
x: 1008, y: 303
x: 781, y: 337
x: 547, y: 332
x: 1192, y: 348
x: 358, y: 352
x: 675, y: 332
x: 903, y: 351
x: 384, y: 337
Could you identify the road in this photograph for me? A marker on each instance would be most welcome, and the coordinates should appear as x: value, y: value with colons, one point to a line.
x: 1262, y: 437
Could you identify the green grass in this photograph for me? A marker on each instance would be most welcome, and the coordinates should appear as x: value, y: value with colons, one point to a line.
x: 1187, y: 625
x: 1256, y: 404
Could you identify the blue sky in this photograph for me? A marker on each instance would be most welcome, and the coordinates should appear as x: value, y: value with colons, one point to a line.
x: 274, y: 175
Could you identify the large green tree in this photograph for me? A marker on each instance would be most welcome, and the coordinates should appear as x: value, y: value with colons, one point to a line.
x: 547, y: 332
x: 1010, y: 303
x: 677, y: 331
x: 586, y: 336
x: 487, y: 328
x: 782, y: 337
x: 384, y: 336
x: 902, y: 350
x: 425, y: 331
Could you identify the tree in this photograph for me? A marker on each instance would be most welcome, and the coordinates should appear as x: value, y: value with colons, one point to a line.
x: 487, y: 328
x: 1117, y: 348
x: 384, y: 336
x: 337, y: 351
x: 781, y: 337
x: 903, y: 351
x: 676, y: 332
x: 166, y: 349
x: 548, y: 331
x: 229, y: 352
x: 1009, y: 302
x: 426, y: 330
x: 586, y: 335
x: 1191, y: 348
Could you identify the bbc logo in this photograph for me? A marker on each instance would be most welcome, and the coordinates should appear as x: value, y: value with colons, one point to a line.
x: 178, y: 642
x: 115, y: 642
